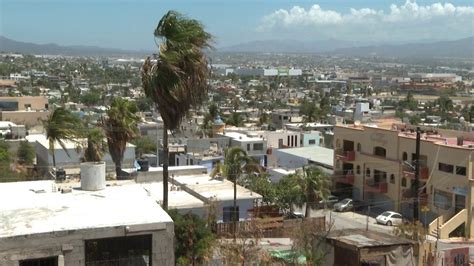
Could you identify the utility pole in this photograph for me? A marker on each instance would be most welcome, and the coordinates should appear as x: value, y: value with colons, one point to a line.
x: 416, y: 184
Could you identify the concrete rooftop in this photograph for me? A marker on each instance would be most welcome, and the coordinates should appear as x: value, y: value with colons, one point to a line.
x: 36, y: 207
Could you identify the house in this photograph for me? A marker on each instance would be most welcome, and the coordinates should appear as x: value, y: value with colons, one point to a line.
x: 221, y: 192
x: 295, y: 158
x: 43, y: 226
x: 71, y: 156
x: 255, y: 146
x: 359, y: 247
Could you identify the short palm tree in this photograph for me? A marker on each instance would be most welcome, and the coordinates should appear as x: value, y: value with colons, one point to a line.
x: 96, y: 145
x: 236, y: 164
x: 120, y: 126
x: 61, y: 125
x: 177, y: 80
x: 313, y: 184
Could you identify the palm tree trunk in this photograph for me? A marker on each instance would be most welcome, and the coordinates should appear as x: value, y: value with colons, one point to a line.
x: 165, y: 167
x: 234, y: 210
x: 308, y: 205
x: 118, y: 170
x: 54, y: 160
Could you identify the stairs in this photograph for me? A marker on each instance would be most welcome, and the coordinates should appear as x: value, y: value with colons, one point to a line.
x: 445, y: 228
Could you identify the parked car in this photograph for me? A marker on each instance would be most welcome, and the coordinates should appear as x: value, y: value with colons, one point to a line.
x: 389, y: 218
x: 329, y: 202
x: 344, y: 205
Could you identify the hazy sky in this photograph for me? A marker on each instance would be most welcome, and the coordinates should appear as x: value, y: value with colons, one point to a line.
x: 129, y: 24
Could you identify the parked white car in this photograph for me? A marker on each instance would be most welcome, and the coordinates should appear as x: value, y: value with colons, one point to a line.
x: 389, y: 218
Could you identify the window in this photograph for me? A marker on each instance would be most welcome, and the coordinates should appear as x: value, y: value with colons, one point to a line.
x: 392, y: 179
x: 461, y: 170
x: 248, y: 147
x: 358, y: 169
x: 312, y: 142
x: 359, y: 147
x: 227, y: 213
x: 258, y: 146
x: 380, y: 151
x: 444, y: 167
x: 128, y: 250
x: 404, y: 182
x: 404, y: 156
x: 288, y: 141
x: 52, y: 261
x: 442, y: 199
x: 367, y: 172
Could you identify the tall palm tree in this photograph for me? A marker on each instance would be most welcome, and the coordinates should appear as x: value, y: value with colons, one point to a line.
x: 313, y: 185
x: 120, y: 126
x: 61, y: 125
x: 177, y: 80
x: 236, y: 164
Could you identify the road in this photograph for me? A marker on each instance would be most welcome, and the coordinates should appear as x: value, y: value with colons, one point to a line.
x: 348, y: 220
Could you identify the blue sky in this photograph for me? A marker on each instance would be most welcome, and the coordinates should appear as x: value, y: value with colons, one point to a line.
x: 129, y: 24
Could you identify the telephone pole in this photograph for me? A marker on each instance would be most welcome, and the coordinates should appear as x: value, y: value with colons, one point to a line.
x: 416, y: 184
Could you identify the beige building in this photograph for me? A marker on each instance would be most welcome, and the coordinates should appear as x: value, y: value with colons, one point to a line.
x: 372, y: 164
x: 23, y: 103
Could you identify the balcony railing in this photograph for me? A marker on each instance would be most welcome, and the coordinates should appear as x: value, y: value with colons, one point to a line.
x: 410, y: 173
x: 345, y: 156
x: 380, y: 187
x: 346, y: 179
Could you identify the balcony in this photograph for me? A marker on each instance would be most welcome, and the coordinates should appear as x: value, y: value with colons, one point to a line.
x: 410, y: 173
x: 346, y: 179
x: 380, y: 187
x: 345, y: 156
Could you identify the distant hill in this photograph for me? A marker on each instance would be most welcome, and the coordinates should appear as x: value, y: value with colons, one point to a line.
x: 288, y: 46
x: 9, y: 45
x: 463, y: 48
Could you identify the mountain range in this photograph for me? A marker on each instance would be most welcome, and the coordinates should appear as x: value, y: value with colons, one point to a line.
x: 9, y: 45
x: 462, y: 48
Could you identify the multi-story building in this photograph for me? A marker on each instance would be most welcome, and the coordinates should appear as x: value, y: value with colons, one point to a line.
x: 375, y: 165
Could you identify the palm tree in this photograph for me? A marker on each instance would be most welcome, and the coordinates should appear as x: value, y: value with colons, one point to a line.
x: 236, y: 164
x: 120, y: 126
x: 61, y: 125
x: 313, y: 185
x: 177, y: 80
x: 96, y: 145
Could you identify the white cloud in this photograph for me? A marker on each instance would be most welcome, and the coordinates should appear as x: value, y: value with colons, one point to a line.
x: 407, y: 20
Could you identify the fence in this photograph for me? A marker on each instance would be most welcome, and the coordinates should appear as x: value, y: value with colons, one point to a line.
x: 273, y: 227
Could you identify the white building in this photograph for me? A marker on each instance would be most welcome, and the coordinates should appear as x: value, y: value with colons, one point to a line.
x: 41, y: 226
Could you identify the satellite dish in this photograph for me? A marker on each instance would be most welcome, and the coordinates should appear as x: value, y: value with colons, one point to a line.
x: 357, y: 123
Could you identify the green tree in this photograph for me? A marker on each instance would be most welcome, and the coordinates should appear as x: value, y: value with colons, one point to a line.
x: 25, y: 153
x: 61, y: 125
x: 177, y: 80
x: 91, y: 98
x: 309, y: 186
x: 96, y: 145
x: 143, y: 145
x: 194, y: 239
x: 120, y: 126
x: 235, y: 119
x: 236, y: 164
x: 310, y: 112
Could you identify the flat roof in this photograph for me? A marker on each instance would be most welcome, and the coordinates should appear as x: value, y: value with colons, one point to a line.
x: 361, y: 238
x: 29, y: 212
x: 241, y: 137
x: 209, y: 187
x: 315, y: 154
x: 177, y: 199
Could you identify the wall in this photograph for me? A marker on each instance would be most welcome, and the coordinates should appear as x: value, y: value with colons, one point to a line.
x: 71, y: 245
x: 288, y: 161
x: 45, y: 159
x: 26, y: 118
x: 313, y: 135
